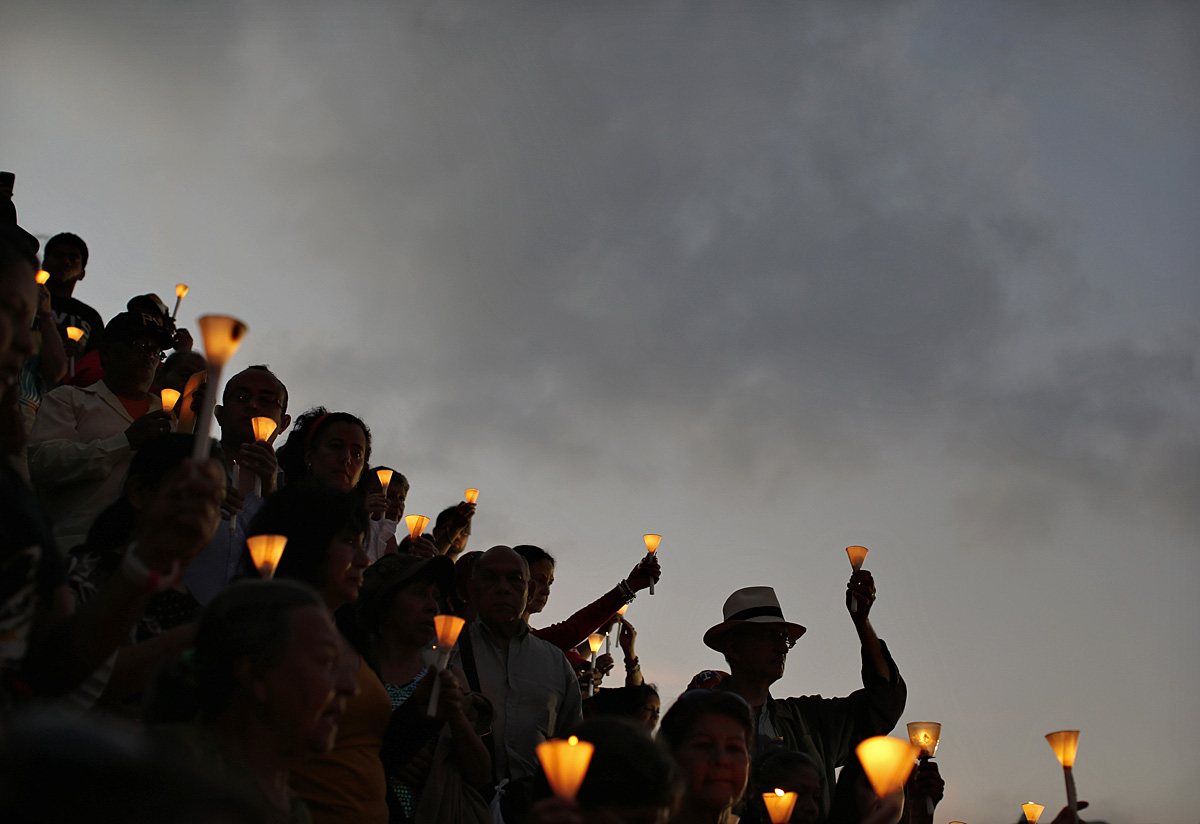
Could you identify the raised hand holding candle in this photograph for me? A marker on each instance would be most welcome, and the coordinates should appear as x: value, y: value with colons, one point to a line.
x: 448, y: 628
x: 565, y: 764
x: 42, y: 276
x: 925, y: 735
x: 856, y: 554
x: 75, y: 334
x: 779, y: 805
x: 887, y: 762
x: 594, y: 641
x: 180, y: 291
x: 265, y: 551
x: 471, y: 495
x: 416, y: 525
x: 1065, y: 743
x: 264, y: 428
x: 222, y: 337
x: 652, y: 542
x: 170, y: 397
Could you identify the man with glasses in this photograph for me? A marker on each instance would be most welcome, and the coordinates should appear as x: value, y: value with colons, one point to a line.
x: 255, y: 392
x: 83, y: 438
x: 755, y: 640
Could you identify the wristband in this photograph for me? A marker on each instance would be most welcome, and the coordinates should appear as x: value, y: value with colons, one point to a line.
x: 632, y: 664
x: 626, y: 591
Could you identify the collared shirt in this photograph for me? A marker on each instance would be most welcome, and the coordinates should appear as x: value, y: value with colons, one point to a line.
x: 533, y: 691
x: 79, y: 455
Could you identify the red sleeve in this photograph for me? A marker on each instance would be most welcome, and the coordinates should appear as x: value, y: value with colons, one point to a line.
x: 574, y: 631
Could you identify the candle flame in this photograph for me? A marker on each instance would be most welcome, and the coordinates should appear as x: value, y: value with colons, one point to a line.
x: 170, y: 397
x: 448, y: 629
x: 471, y: 495
x: 779, y: 805
x: 43, y: 276
x: 265, y: 551
x: 651, y: 542
x: 416, y: 525
x: 887, y: 762
x: 857, y: 555
x: 1064, y: 743
x: 181, y: 289
x: 1032, y: 811
x: 925, y: 734
x: 74, y: 333
x: 263, y: 427
x: 565, y: 764
x: 385, y: 478
x: 622, y: 610
x: 222, y: 337
x: 595, y: 640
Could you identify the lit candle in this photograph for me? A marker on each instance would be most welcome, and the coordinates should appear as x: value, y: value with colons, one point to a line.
x: 887, y: 762
x: 925, y: 735
x: 170, y: 397
x: 857, y: 555
x: 594, y: 641
x: 565, y: 764
x: 265, y: 551
x: 416, y: 525
x: 180, y: 291
x: 42, y: 276
x: 263, y: 428
x: 448, y: 628
x: 1065, y: 743
x: 651, y: 547
x: 75, y: 334
x: 779, y: 805
x: 385, y: 480
x: 222, y: 336
x: 471, y: 495
x: 1032, y: 811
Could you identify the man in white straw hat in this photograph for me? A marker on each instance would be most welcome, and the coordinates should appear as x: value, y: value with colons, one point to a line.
x: 755, y: 639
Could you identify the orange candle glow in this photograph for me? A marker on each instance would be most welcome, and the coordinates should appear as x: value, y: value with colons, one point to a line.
x: 265, y: 551
x: 180, y: 291
x: 925, y: 734
x: 263, y: 427
x: 416, y: 525
x: 385, y: 478
x: 565, y: 764
x: 448, y: 629
x: 623, y: 609
x: 471, y: 495
x: 856, y: 554
x: 652, y: 547
x: 222, y: 337
x: 779, y: 805
x: 1032, y: 811
x: 170, y: 397
x: 887, y: 762
x: 43, y: 276
x: 1064, y: 743
x: 74, y: 333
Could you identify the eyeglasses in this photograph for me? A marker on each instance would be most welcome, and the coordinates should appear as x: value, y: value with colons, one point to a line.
x: 770, y: 636
x: 143, y: 348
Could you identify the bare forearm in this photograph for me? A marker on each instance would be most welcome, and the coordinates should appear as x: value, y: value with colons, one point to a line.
x: 872, y: 649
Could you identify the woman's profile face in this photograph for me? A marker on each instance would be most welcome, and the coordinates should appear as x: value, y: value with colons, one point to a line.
x: 715, y: 758
x: 341, y: 572
x: 412, y: 611
x: 338, y: 457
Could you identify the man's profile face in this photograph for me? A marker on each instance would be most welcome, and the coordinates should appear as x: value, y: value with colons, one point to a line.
x: 64, y: 262
x: 758, y: 650
x: 501, y: 584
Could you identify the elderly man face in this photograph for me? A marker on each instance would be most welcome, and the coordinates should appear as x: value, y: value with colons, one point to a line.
x: 499, y: 586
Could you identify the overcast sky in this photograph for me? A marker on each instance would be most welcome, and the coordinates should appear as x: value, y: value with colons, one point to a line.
x: 767, y: 278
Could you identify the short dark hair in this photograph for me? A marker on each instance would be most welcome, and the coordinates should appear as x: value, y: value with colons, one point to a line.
x: 690, y: 707
x: 532, y: 554
x: 310, y: 515
x: 262, y: 367
x: 250, y: 619
x: 69, y: 239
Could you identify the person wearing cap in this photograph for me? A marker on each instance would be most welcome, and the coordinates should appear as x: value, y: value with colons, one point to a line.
x: 755, y: 639
x: 89, y: 369
x: 83, y: 438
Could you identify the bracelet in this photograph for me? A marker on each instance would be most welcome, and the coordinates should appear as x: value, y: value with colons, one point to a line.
x: 149, y: 579
x: 626, y: 591
x: 632, y: 664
